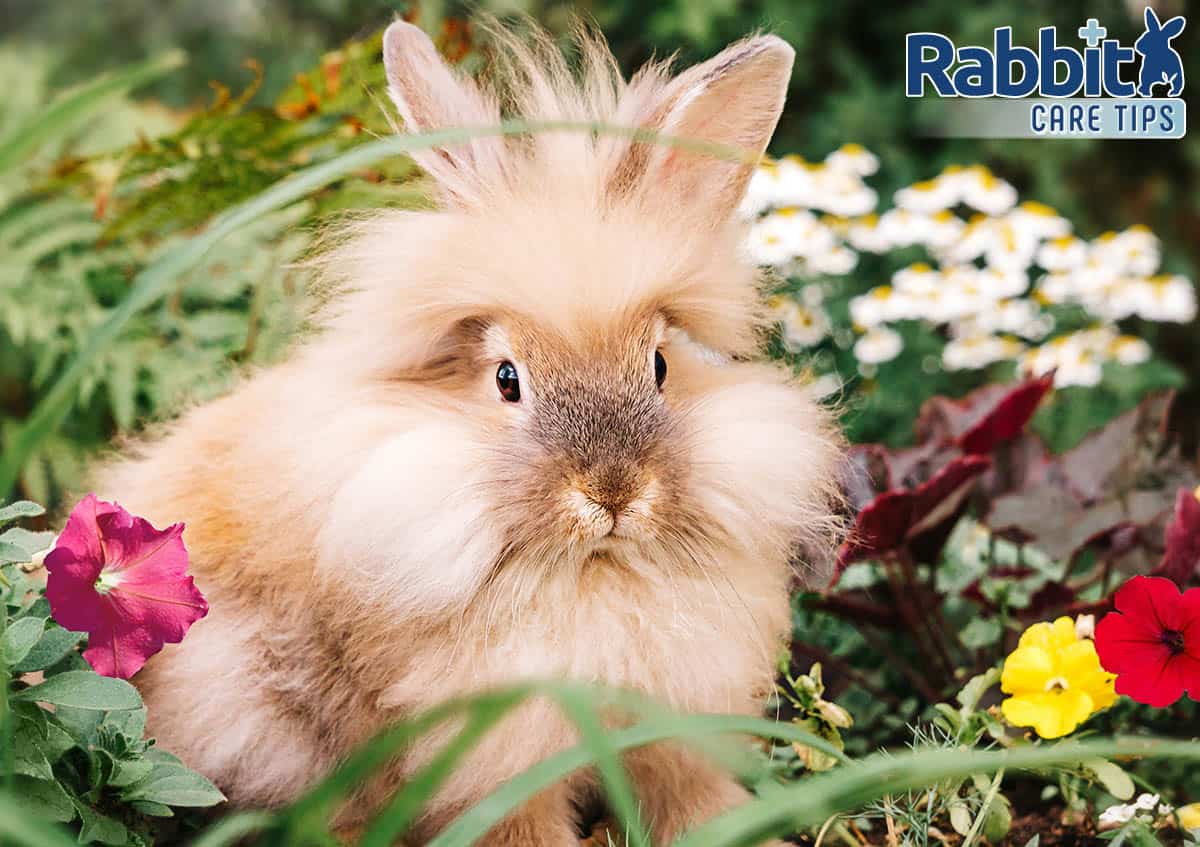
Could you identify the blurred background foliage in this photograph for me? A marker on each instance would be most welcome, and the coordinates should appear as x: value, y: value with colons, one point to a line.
x: 271, y: 86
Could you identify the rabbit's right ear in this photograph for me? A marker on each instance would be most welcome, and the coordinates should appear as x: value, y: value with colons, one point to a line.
x: 430, y: 96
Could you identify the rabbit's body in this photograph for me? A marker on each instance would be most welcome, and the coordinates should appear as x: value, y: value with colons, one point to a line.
x: 377, y: 530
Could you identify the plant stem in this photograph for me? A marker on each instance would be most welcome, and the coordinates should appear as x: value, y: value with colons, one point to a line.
x: 988, y: 799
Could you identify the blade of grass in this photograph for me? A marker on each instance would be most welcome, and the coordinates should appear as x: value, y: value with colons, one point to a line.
x: 476, y: 821
x: 153, y: 281
x: 390, y: 824
x: 74, y: 106
x: 578, y: 707
x: 313, y: 809
x: 234, y: 828
x: 808, y: 803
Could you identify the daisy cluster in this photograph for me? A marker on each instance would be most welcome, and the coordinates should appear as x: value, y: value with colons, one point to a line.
x: 997, y: 268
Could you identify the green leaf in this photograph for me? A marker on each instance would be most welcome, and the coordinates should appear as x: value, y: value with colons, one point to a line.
x: 20, y: 638
x: 99, y: 828
x: 84, y: 690
x: 75, y: 106
x: 10, y: 553
x: 28, y: 757
x: 20, y: 509
x: 174, y: 785
x: 54, y: 643
x: 981, y: 632
x: 126, y: 773
x: 44, y: 798
x: 1115, y: 781
x: 154, y: 810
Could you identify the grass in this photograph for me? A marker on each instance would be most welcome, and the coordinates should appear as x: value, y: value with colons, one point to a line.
x: 800, y: 805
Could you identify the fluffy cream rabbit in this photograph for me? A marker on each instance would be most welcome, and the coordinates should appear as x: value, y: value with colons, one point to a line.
x: 527, y: 442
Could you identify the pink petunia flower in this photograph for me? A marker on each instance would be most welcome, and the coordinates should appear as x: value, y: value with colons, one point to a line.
x: 124, y: 583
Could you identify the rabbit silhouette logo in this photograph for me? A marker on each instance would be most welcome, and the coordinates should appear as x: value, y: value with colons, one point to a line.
x: 1160, y: 63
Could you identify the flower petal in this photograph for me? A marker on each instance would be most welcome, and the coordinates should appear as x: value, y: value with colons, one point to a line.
x: 1153, y: 682
x: 1051, y: 714
x: 1151, y: 600
x: 139, y: 551
x: 1027, y: 670
x: 1123, y: 642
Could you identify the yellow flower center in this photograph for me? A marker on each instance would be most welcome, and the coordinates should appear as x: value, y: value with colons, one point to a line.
x: 1057, y: 684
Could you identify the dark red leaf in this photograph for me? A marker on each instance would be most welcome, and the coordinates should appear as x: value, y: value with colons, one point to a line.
x: 896, y: 516
x: 1007, y: 419
x: 1181, y: 560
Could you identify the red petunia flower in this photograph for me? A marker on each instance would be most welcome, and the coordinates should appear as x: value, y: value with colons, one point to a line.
x: 124, y: 583
x: 1152, y: 641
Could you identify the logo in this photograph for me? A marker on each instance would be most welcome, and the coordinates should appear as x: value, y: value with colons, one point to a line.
x: 1160, y: 62
x: 1101, y: 88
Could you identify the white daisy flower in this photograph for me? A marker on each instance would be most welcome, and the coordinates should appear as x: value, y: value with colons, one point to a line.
x: 1165, y: 298
x: 1072, y: 358
x: 1134, y: 251
x: 917, y: 278
x: 803, y: 327
x: 795, y: 182
x: 1055, y: 288
x: 978, y: 351
x: 903, y: 228
x: 864, y: 233
x: 836, y: 261
x: 1039, y: 221
x: 878, y: 345
x: 1000, y: 283
x: 1065, y: 253
x: 928, y: 197
x: 1012, y: 247
x: 974, y: 240
x: 1007, y: 316
x: 853, y: 158
x: 982, y: 190
x: 878, y: 306
x: 945, y: 229
x: 774, y: 240
x: 844, y: 194
x: 1129, y: 350
x: 760, y: 192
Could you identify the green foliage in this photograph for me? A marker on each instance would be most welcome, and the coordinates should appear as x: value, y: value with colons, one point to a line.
x: 73, y: 745
x: 111, y: 311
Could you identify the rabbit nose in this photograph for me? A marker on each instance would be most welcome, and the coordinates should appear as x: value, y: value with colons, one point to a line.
x: 612, y: 488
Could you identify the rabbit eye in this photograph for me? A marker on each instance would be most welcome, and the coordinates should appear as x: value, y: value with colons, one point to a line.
x: 508, y: 382
x: 660, y: 368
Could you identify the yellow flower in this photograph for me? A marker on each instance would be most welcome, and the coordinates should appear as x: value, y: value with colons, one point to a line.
x: 1055, y: 680
x: 1189, y: 816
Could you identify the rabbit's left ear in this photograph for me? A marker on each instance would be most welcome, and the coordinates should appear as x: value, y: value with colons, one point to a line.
x: 732, y: 100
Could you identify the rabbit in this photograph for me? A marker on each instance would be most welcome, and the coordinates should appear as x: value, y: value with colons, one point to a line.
x: 1160, y: 62
x: 528, y: 438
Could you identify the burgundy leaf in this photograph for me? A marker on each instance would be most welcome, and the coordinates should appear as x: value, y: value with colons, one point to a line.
x: 1181, y: 560
x: 895, y: 516
x: 1007, y: 419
